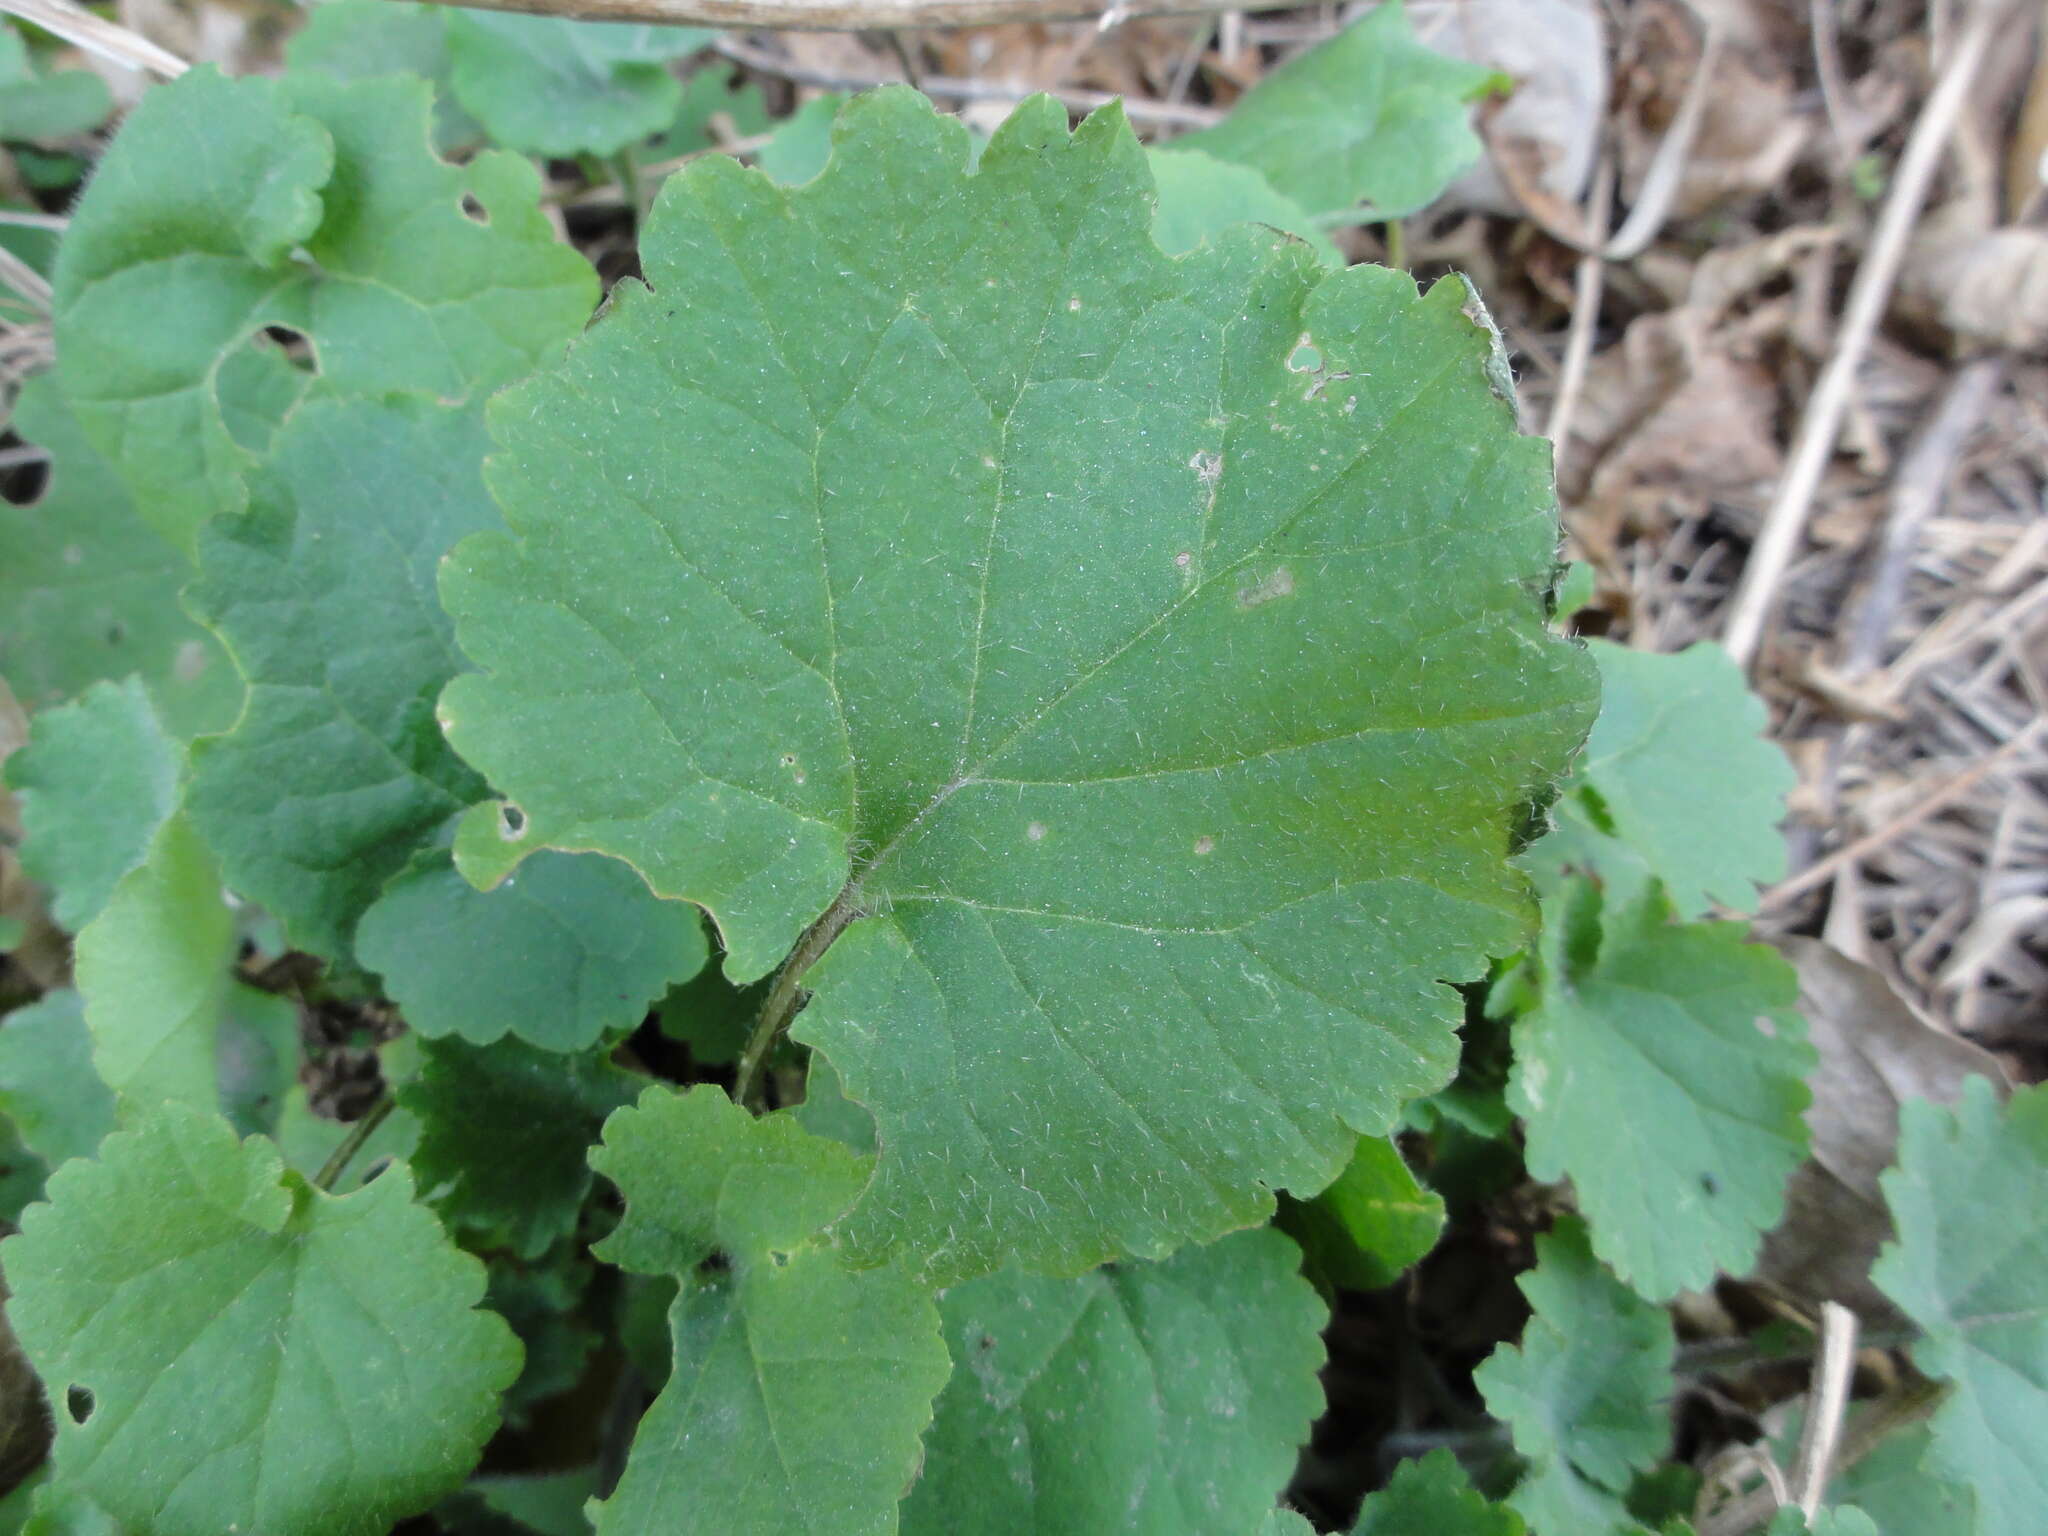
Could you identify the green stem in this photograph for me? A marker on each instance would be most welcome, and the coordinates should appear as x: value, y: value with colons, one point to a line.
x: 630, y: 186
x: 786, y: 994
x: 352, y: 1143
x: 1397, y: 244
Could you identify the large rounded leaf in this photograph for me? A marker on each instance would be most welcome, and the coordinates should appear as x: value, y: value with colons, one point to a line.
x: 1146, y: 656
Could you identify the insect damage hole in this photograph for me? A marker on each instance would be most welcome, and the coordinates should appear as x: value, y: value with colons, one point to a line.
x: 79, y: 1403
x: 1306, y: 357
x: 1035, y: 832
x: 1205, y: 844
x: 511, y: 822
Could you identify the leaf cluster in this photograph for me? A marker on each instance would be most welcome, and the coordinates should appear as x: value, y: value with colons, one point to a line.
x: 907, y: 855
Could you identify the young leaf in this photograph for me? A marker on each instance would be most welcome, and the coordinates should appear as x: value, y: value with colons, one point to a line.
x: 1371, y: 114
x: 1585, y: 1392
x: 97, y: 780
x: 1123, y: 723
x: 800, y: 1386
x: 548, y: 86
x: 1970, y: 1267
x: 48, y: 1087
x: 1677, y: 781
x: 89, y: 591
x: 1662, y: 1070
x: 1092, y: 1404
x: 569, y: 948
x: 58, y: 105
x: 801, y: 144
x: 504, y: 1130
x: 323, y: 591
x: 231, y: 1350
x: 1369, y: 1226
x: 1433, y: 1497
x: 184, y: 246
x: 1201, y: 196
x: 154, y: 970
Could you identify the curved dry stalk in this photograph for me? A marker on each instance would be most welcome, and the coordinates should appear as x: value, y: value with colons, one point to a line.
x: 860, y: 15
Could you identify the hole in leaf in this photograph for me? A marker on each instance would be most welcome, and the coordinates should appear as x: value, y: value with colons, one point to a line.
x: 475, y: 211
x: 718, y: 1262
x: 1306, y: 357
x: 1709, y: 1184
x: 777, y: 1258
x: 78, y: 1402
x: 511, y: 822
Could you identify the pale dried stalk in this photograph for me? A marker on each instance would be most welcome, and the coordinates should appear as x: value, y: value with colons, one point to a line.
x: 1137, y: 108
x: 1825, y: 1405
x: 859, y: 15
x: 1821, y: 424
x: 79, y: 27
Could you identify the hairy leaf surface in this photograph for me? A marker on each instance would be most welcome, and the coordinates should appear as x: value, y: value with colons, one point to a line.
x: 1137, y: 726
x: 258, y: 1356
x: 1584, y: 1392
x: 1971, y: 1268
x: 1663, y: 1070
x: 1151, y: 1398
x: 799, y: 1386
x: 185, y: 244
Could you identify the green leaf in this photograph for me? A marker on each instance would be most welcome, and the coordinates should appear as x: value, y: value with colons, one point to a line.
x: 335, y: 774
x: 549, y: 86
x: 800, y: 1386
x: 504, y: 1130
x: 1433, y: 1497
x: 308, y: 1140
x: 1893, y: 1485
x: 1371, y: 114
x: 1585, y: 1393
x: 254, y: 1355
x: 366, y: 39
x: 1663, y: 1070
x: 802, y: 143
x: 97, y: 780
x: 1970, y: 1267
x: 48, y: 1087
x: 563, y: 952
x: 185, y: 245
x: 832, y: 610
x: 1201, y: 196
x: 1792, y: 1521
x: 256, y: 1058
x: 708, y: 93
x: 89, y: 591
x: 1677, y: 781
x: 1160, y: 1398
x: 36, y: 106
x: 1372, y: 1224
x: 154, y: 969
